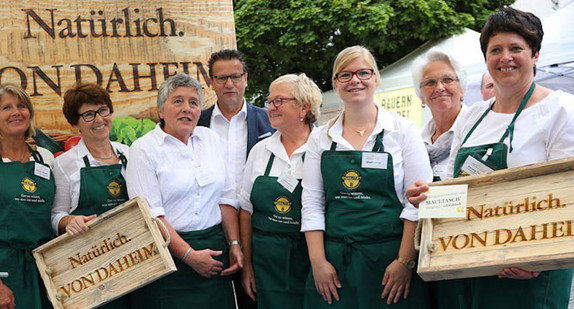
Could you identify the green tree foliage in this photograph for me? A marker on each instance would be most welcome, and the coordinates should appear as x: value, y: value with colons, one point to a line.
x: 293, y: 36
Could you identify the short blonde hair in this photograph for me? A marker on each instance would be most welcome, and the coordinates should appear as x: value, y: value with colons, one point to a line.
x: 305, y: 91
x: 24, y: 98
x: 351, y: 53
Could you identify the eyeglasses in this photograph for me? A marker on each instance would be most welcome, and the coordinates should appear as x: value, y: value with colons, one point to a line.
x: 222, y: 79
x: 277, y: 102
x: 445, y: 80
x: 89, y: 116
x: 362, y: 74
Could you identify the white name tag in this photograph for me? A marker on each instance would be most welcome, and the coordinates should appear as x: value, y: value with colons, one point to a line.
x: 41, y: 171
x: 472, y: 166
x: 203, y: 177
x: 375, y: 160
x: 288, y: 181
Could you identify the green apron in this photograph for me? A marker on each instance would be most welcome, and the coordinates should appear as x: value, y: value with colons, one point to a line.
x: 280, y: 258
x: 185, y: 288
x: 101, y: 189
x: 551, y: 289
x: 363, y: 231
x: 26, y: 201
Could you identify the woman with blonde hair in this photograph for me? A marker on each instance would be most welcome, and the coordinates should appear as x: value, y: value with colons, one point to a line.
x: 276, y: 259
x: 358, y: 224
x: 26, y: 195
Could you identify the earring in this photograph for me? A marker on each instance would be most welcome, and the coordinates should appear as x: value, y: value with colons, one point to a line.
x: 301, y: 119
x: 461, y: 99
x: 423, y: 105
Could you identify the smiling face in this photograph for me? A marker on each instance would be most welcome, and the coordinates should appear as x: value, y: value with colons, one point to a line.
x: 181, y: 112
x: 14, y: 116
x: 289, y: 114
x: 356, y: 90
x: 441, y: 97
x: 229, y: 93
x: 510, y: 61
x: 97, y: 130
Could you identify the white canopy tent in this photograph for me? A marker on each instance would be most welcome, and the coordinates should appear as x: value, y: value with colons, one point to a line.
x: 555, y: 68
x: 464, y: 47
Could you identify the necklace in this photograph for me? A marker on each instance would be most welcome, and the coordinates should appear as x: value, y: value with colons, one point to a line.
x: 103, y: 158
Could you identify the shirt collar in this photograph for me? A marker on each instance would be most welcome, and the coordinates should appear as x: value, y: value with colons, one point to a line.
x: 162, y: 137
x: 217, y: 112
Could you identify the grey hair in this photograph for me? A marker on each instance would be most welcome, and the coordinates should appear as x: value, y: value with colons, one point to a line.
x: 170, y: 84
x: 305, y: 91
x: 435, y: 54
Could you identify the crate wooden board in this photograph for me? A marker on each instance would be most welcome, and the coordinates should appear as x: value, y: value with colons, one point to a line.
x: 122, y: 251
x: 499, y: 230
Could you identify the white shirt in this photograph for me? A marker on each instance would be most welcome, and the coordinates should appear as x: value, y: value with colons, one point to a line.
x: 542, y: 132
x: 257, y: 163
x: 440, y: 169
x: 234, y: 134
x: 401, y: 139
x: 66, y: 169
x: 168, y: 174
x: 47, y: 156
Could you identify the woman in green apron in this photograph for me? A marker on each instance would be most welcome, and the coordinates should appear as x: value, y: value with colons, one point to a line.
x: 358, y: 225
x: 180, y: 169
x: 276, y: 258
x: 89, y: 177
x: 524, y: 123
x: 26, y: 195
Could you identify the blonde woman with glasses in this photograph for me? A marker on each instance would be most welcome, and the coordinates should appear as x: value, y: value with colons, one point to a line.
x: 358, y: 224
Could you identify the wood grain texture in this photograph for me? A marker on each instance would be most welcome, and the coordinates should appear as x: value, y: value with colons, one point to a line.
x: 47, y: 58
x: 501, y: 231
x: 74, y: 278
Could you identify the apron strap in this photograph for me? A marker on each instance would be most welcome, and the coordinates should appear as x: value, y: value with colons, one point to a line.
x: 35, y: 154
x: 86, y: 161
x: 122, y: 158
x: 510, y: 129
x: 269, y: 165
x: 379, y: 147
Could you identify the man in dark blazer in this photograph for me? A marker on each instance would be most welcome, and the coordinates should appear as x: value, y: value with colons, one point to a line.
x: 240, y: 124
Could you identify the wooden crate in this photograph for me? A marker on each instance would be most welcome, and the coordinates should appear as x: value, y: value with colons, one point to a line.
x: 499, y: 231
x: 122, y: 251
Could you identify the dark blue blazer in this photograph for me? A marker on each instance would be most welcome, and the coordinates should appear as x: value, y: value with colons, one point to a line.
x: 258, y: 126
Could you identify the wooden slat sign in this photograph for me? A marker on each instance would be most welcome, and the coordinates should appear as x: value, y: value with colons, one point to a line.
x: 129, y: 47
x: 122, y: 251
x: 520, y: 217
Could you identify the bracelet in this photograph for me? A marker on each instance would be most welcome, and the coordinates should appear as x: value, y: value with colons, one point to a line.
x: 186, y: 254
x: 235, y: 242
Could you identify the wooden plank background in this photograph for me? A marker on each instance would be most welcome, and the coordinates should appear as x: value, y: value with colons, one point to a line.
x: 46, y: 66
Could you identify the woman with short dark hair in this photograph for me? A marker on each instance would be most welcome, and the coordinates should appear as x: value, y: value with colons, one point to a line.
x: 524, y: 124
x: 90, y: 176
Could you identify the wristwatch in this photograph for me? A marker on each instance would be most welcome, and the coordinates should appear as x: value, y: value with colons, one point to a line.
x: 410, y: 264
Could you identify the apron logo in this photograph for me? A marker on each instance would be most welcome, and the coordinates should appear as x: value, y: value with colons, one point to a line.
x: 29, y: 185
x: 115, y: 188
x: 351, y: 179
x: 282, y: 205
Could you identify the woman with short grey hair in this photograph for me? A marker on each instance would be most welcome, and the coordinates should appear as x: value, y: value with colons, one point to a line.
x: 440, y: 82
x: 180, y: 169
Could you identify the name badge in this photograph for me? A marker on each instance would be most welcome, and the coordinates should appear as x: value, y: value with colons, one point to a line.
x: 472, y: 166
x: 288, y: 181
x: 42, y: 171
x: 203, y: 177
x: 375, y: 160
